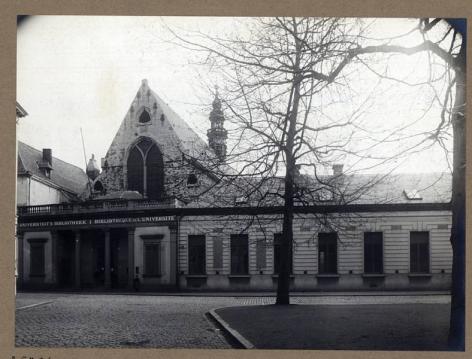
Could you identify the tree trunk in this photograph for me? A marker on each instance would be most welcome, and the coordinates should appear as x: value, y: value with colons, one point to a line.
x: 283, y: 284
x: 457, y: 319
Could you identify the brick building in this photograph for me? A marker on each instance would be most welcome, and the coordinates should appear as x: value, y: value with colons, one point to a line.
x: 155, y: 216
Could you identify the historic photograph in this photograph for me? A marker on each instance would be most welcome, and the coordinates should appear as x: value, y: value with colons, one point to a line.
x: 250, y: 183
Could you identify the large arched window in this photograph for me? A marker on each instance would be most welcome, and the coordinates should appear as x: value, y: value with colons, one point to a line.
x: 146, y: 169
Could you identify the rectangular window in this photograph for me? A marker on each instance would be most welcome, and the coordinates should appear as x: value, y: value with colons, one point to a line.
x: 328, y: 253
x: 196, y: 255
x: 239, y: 254
x: 373, y: 252
x: 278, y: 253
x: 261, y: 254
x: 217, y: 253
x: 419, y: 252
x: 37, y: 267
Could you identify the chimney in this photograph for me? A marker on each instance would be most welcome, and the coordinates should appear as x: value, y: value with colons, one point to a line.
x: 337, y: 170
x: 47, y: 156
x: 45, y: 165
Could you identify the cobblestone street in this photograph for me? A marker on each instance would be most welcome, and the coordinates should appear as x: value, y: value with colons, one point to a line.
x: 99, y: 320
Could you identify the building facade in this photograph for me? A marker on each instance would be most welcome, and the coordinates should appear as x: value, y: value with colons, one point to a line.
x: 156, y: 217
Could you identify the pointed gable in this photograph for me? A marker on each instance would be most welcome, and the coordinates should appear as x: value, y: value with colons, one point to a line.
x: 150, y: 118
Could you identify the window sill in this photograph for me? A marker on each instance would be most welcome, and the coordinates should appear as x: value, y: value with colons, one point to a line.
x: 196, y: 276
x: 373, y: 275
x: 327, y: 275
x: 239, y: 276
x: 420, y: 275
x: 277, y: 276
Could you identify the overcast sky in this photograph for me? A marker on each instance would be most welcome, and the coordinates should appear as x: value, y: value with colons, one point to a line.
x: 83, y: 72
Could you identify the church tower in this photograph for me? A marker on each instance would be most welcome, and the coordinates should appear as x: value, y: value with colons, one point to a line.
x: 217, y: 134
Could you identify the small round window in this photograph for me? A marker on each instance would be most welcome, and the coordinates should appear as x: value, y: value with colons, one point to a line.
x: 144, y: 117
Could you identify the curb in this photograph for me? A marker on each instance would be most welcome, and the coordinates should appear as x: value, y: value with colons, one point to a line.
x: 251, y: 294
x: 246, y: 344
x: 33, y: 305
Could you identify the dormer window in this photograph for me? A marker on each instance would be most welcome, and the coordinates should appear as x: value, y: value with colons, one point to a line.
x: 412, y: 194
x: 325, y: 195
x: 238, y: 201
x: 144, y: 117
x: 192, y: 180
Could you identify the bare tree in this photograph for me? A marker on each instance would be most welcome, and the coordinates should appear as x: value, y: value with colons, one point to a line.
x: 448, y: 43
x: 280, y: 75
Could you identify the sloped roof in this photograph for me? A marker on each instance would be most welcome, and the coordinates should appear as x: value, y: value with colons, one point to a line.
x: 346, y: 189
x: 64, y: 175
x: 190, y: 141
x: 20, y: 111
x: 432, y: 187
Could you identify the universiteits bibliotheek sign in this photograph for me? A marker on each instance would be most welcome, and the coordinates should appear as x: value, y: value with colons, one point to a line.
x: 99, y: 221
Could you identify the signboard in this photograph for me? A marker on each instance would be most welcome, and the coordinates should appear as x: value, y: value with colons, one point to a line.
x: 99, y: 221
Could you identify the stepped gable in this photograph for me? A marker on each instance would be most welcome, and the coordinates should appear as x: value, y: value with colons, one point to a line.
x: 63, y: 174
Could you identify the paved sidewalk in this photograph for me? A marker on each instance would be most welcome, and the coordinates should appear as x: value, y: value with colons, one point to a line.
x: 166, y: 321
x: 411, y: 326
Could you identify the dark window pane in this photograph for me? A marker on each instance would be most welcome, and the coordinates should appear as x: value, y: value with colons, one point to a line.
x: 419, y: 252
x: 373, y: 252
x: 37, y: 259
x: 144, y: 144
x: 217, y: 253
x: 239, y: 254
x: 196, y: 255
x: 152, y: 265
x: 98, y: 186
x: 155, y: 173
x: 327, y: 253
x: 261, y: 254
x: 278, y: 253
x: 135, y: 171
x: 144, y: 117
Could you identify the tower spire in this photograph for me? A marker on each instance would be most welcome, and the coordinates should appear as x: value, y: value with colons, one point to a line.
x: 217, y: 134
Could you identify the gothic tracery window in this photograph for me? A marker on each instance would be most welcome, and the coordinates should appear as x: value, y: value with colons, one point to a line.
x: 146, y: 169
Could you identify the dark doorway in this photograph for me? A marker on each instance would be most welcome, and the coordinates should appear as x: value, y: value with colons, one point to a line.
x: 65, y: 259
x: 119, y: 258
x: 92, y: 259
